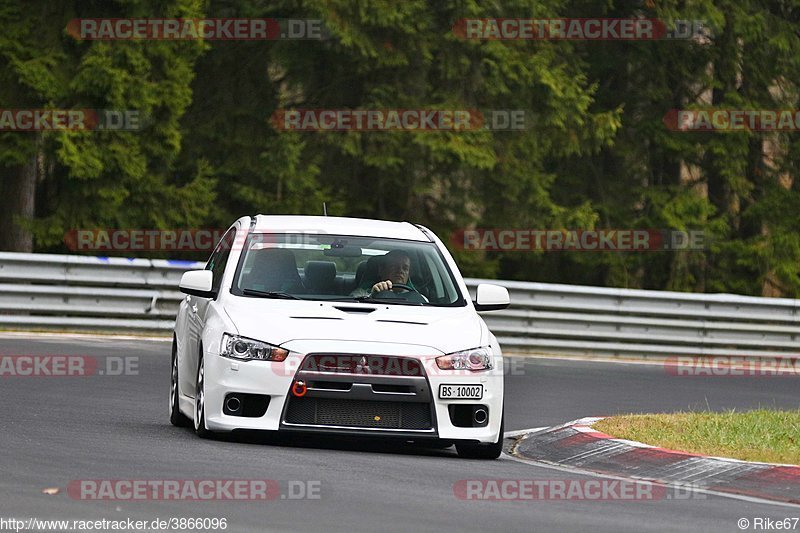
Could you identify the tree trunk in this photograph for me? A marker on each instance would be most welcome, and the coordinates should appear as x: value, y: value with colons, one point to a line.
x: 726, y: 70
x: 17, y: 194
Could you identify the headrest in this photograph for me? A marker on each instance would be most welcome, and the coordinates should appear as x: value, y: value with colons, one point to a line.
x: 320, y: 274
x: 274, y: 269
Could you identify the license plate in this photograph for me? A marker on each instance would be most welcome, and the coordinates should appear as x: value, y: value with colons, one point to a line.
x: 460, y: 392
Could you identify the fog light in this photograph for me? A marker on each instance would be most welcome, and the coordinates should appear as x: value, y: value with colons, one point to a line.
x: 233, y: 404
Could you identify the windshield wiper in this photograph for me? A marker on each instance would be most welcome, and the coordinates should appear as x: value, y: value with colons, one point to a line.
x: 373, y: 300
x: 270, y: 294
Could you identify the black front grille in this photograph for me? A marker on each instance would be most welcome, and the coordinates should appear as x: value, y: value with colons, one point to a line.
x: 366, y: 414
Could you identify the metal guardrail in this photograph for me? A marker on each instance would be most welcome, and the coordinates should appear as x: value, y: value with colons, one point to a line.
x: 76, y: 293
x: 599, y: 321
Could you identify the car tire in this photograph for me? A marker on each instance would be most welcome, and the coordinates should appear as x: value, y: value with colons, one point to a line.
x: 481, y: 450
x: 176, y: 418
x: 199, y: 401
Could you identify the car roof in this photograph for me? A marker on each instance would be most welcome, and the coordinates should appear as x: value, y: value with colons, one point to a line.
x: 357, y: 227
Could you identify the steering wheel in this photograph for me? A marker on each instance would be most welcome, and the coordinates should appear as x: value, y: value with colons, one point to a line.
x: 401, y: 286
x: 420, y: 298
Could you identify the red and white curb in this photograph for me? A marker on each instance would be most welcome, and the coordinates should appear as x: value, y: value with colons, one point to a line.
x: 578, y: 447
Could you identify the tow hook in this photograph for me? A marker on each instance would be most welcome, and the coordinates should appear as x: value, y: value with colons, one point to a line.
x: 299, y: 389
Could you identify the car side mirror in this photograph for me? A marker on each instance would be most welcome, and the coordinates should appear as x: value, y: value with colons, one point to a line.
x: 490, y: 297
x: 198, y: 283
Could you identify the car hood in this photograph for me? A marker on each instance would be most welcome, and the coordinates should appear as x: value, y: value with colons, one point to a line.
x: 312, y: 326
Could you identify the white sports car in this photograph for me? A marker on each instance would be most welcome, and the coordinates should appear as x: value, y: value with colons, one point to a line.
x: 342, y: 326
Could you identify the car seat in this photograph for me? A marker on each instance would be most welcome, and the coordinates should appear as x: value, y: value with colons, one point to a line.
x: 274, y: 269
x: 320, y: 277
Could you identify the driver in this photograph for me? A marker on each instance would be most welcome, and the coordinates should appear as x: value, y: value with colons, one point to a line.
x: 395, y: 267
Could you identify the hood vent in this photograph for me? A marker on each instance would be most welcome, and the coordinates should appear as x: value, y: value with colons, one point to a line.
x: 317, y: 317
x: 358, y: 310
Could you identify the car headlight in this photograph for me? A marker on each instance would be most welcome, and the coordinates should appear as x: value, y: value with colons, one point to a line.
x: 474, y: 359
x: 245, y: 349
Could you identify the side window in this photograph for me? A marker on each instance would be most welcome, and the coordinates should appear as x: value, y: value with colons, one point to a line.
x: 218, y: 260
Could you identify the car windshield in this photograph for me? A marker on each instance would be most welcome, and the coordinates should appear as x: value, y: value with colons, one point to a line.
x: 344, y: 268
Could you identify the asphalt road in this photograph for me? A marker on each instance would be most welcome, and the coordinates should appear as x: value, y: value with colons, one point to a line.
x: 59, y: 429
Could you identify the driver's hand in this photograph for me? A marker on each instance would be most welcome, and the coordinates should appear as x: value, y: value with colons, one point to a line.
x: 382, y: 286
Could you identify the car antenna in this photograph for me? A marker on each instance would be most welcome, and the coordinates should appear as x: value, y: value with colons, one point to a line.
x: 324, y: 209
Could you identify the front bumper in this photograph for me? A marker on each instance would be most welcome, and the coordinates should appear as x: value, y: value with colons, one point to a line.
x: 401, y: 406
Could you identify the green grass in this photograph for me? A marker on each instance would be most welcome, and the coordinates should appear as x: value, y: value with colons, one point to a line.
x: 761, y: 435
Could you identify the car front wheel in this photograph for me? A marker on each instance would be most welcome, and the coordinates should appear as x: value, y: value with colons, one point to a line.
x: 176, y: 418
x: 492, y: 450
x: 200, y: 402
